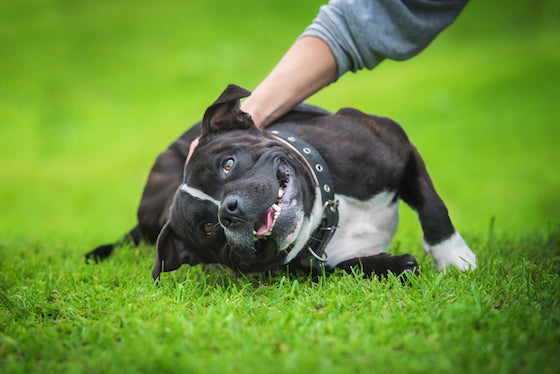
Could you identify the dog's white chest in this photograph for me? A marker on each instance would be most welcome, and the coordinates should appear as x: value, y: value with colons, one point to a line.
x: 365, y: 227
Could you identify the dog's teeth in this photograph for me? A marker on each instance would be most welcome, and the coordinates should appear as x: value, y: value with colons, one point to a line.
x: 276, y: 207
x: 280, y: 193
x: 254, y: 232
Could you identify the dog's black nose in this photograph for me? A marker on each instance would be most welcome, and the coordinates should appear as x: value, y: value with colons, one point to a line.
x: 231, y: 205
x: 230, y: 212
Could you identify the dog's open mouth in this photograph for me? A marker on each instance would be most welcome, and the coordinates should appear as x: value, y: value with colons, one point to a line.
x: 265, y: 223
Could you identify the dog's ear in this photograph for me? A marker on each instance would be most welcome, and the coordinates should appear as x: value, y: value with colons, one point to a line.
x: 225, y: 115
x: 171, y: 252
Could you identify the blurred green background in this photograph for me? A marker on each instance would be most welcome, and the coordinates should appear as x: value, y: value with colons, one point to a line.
x: 92, y: 91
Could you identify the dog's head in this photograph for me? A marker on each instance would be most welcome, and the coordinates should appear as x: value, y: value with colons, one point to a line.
x: 245, y: 200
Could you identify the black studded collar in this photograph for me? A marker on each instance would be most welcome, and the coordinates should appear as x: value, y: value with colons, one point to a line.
x: 322, y: 178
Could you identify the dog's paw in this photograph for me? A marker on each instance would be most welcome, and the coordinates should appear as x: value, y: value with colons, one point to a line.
x: 402, y: 265
x: 409, y: 264
x: 452, y: 251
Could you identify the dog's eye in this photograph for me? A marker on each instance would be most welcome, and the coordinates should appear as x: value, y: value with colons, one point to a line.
x: 207, y: 227
x: 228, y: 165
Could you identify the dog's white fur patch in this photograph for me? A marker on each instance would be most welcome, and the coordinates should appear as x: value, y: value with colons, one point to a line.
x: 308, y: 225
x: 198, y: 194
x: 365, y: 228
x: 452, y: 251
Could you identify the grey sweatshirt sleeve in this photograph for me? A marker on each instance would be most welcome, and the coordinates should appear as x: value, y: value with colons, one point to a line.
x: 361, y: 33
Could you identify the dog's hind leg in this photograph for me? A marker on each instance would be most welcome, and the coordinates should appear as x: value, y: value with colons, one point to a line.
x: 441, y: 239
x: 102, y: 252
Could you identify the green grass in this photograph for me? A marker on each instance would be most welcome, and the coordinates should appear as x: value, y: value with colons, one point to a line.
x: 69, y: 317
x: 91, y: 91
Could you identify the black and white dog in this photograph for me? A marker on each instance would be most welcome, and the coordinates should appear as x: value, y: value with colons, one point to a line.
x: 317, y: 190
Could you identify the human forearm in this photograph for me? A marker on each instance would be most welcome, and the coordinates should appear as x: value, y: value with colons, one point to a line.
x: 308, y: 66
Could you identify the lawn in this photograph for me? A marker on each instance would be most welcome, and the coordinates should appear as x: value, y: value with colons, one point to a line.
x: 92, y: 91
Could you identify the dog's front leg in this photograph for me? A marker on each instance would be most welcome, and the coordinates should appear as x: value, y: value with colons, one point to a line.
x: 441, y: 239
x: 381, y: 264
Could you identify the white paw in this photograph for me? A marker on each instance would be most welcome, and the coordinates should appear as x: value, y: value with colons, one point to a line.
x: 453, y: 251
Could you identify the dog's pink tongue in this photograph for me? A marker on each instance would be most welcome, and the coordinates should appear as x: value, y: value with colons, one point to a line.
x: 264, y: 223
